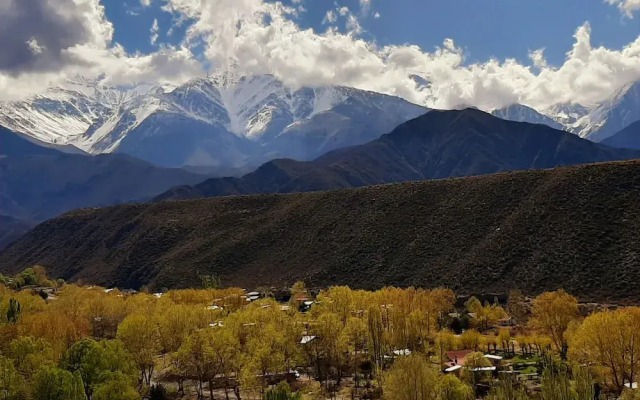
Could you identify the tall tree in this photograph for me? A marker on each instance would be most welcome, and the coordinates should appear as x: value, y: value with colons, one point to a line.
x: 411, y: 378
x: 552, y: 312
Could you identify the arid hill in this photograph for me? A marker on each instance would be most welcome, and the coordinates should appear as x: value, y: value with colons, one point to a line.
x: 573, y: 227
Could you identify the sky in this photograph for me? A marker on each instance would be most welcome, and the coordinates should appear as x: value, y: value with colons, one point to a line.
x: 442, y: 54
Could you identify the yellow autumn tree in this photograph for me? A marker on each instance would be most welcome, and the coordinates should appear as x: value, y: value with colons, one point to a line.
x: 551, y: 314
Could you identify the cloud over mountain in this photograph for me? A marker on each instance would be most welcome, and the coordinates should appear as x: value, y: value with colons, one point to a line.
x: 264, y: 37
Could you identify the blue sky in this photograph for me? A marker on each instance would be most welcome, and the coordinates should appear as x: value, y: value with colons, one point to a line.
x: 485, y: 29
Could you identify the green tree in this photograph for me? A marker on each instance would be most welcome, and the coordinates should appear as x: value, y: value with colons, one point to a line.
x: 452, y: 388
x: 282, y: 392
x: 10, y: 380
x: 158, y: 392
x: 411, y: 378
x: 13, y: 313
x: 77, y: 387
x: 53, y: 384
x: 97, y: 362
x: 118, y: 388
x: 140, y: 336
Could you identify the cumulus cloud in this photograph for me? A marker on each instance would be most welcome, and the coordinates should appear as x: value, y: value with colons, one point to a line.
x: 238, y: 32
x: 628, y: 7
x: 44, y: 42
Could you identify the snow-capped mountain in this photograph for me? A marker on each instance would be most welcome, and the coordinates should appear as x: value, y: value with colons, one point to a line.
x: 521, y: 113
x: 220, y: 120
x: 613, y: 115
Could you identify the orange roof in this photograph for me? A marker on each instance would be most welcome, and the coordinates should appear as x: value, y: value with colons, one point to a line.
x: 461, y: 356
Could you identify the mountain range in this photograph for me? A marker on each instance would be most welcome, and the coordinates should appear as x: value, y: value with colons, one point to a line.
x: 230, y: 121
x: 572, y: 227
x: 439, y: 144
x: 37, y: 183
x: 221, y: 120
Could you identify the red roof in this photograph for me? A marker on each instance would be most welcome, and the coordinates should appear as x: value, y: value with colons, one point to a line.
x: 460, y: 355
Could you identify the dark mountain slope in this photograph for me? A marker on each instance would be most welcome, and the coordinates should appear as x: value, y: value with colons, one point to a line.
x: 11, y: 229
x: 440, y: 144
x: 628, y: 138
x: 573, y: 227
x: 11, y: 144
x: 37, y: 182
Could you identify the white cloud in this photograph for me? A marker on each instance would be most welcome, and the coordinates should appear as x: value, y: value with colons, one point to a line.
x: 154, y: 31
x: 330, y: 17
x: 44, y: 42
x: 365, y: 6
x: 35, y: 46
x: 236, y: 32
x: 628, y: 7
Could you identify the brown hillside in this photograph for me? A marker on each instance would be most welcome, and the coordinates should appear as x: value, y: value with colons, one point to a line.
x: 572, y: 227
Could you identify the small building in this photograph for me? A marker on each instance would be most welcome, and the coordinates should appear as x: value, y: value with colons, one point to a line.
x: 307, y: 339
x: 458, y: 357
x: 495, y: 360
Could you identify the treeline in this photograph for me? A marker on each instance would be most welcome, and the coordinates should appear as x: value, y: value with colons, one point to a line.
x: 92, y: 343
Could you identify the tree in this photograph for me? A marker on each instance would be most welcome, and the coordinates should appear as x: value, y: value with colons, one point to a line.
x: 13, y: 313
x: 97, y: 362
x: 158, y: 392
x: 77, y: 387
x: 445, y: 341
x: 375, y: 329
x: 452, y: 388
x: 282, y: 392
x: 411, y: 378
x: 484, y: 315
x: 118, y: 388
x: 507, y: 389
x: 140, y: 337
x: 29, y: 354
x: 53, y: 384
x: 551, y: 314
x: 610, y: 339
x: 518, y: 307
x: 474, y: 361
x: 10, y: 380
x: 471, y: 339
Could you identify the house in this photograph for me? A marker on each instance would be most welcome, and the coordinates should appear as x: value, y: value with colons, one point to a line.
x: 495, y: 360
x: 458, y: 357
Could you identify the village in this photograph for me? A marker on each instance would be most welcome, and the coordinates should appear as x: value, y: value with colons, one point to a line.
x: 299, y: 343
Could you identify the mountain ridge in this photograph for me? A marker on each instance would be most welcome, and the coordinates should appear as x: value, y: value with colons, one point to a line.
x: 574, y: 227
x: 220, y: 120
x: 439, y: 144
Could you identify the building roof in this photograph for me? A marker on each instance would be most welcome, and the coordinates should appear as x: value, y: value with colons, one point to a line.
x: 404, y: 352
x: 307, y: 339
x: 479, y: 369
x: 453, y: 369
x: 492, y: 357
x: 461, y: 355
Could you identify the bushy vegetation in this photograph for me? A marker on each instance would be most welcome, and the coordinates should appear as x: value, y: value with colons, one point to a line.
x: 571, y: 227
x: 90, y: 343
